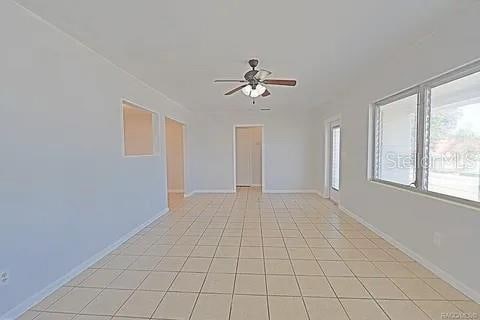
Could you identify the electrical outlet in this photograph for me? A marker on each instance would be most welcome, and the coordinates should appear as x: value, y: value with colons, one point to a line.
x: 437, y: 239
x: 3, y: 278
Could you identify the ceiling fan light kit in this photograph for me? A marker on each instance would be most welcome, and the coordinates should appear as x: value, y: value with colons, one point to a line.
x: 253, y: 93
x: 255, y: 82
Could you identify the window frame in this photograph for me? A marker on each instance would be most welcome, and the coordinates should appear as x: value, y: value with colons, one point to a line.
x: 423, y: 91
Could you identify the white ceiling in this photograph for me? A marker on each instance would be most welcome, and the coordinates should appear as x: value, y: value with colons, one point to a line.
x: 179, y: 47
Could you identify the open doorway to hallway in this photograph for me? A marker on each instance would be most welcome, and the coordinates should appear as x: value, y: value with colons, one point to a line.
x: 248, y: 168
x: 174, y: 138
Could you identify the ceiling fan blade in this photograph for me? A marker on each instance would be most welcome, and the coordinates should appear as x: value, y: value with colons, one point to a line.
x: 262, y: 74
x: 266, y: 93
x: 222, y: 80
x: 278, y: 82
x: 236, y: 89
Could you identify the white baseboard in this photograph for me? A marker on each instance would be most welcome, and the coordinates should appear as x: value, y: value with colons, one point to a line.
x: 214, y: 191
x: 291, y: 191
x: 45, y: 292
x: 264, y: 191
x: 175, y: 190
x: 323, y: 195
x: 442, y: 274
x: 186, y: 195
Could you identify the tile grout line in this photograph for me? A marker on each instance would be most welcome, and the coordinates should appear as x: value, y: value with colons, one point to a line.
x: 291, y: 264
x: 361, y: 283
x: 326, y: 278
x: 236, y: 267
x: 209, y: 266
x: 177, y: 272
x: 390, y: 279
x: 265, y: 270
x: 203, y: 216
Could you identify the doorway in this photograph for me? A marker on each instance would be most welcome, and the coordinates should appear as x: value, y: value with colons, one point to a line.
x: 333, y: 159
x: 174, y: 143
x: 248, y: 156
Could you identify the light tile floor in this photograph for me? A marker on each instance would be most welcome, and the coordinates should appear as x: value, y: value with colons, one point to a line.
x: 249, y: 256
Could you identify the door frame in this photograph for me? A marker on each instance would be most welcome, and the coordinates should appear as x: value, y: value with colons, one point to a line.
x: 329, y: 124
x: 261, y: 126
x: 184, y: 142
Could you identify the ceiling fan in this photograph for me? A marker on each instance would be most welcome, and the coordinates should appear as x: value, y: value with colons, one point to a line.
x: 255, y: 80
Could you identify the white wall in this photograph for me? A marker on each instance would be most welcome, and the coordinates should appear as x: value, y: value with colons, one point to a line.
x: 408, y: 217
x: 66, y: 191
x: 291, y: 145
x: 175, y: 159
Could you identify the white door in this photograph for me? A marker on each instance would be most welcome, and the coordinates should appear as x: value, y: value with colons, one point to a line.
x: 248, y: 160
x: 334, y: 161
x: 244, y: 157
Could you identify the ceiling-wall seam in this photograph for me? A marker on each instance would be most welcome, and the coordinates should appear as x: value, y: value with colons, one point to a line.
x: 52, y: 25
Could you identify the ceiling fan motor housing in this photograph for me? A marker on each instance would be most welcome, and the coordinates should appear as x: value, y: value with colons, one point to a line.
x: 250, y: 77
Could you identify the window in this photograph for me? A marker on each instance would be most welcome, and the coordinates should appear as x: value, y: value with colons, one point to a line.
x: 427, y: 138
x: 454, y: 145
x: 397, y: 140
x: 138, y: 131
